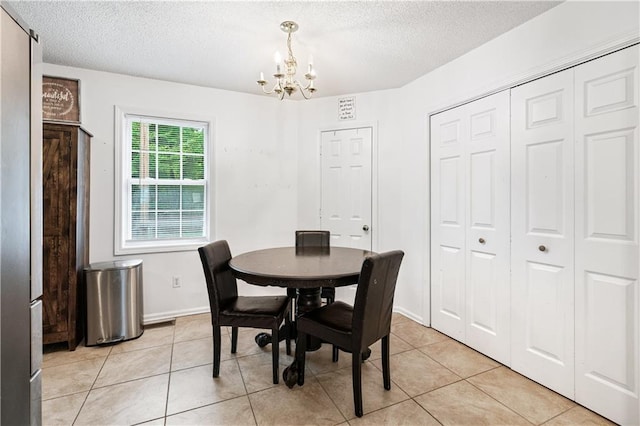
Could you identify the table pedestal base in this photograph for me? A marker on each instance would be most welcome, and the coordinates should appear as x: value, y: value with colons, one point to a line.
x: 309, y: 299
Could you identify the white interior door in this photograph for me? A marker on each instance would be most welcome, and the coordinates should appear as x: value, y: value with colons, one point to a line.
x: 606, y: 240
x: 346, y: 166
x: 470, y: 224
x: 487, y: 226
x: 542, y: 216
x: 448, y: 187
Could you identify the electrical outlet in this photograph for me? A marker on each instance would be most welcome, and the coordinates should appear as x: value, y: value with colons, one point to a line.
x: 176, y: 282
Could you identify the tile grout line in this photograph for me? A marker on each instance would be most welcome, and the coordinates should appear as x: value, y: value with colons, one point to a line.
x: 173, y: 343
x: 329, y: 396
x: 465, y: 380
x: 513, y: 409
x: 75, y: 419
x: 501, y: 403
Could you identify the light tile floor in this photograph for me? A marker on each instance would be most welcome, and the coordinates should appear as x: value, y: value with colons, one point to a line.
x: 164, y: 378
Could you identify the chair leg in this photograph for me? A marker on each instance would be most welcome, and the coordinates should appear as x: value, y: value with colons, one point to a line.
x: 275, y: 353
x: 301, y: 349
x: 287, y: 339
x: 234, y: 339
x: 356, y: 373
x: 216, y: 350
x: 334, y: 356
x: 386, y: 373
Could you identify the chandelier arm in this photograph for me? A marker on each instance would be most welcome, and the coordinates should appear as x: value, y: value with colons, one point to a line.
x: 304, y: 90
x: 303, y: 87
x: 304, y: 95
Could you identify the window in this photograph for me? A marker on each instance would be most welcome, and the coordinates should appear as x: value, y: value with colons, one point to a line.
x: 164, y: 197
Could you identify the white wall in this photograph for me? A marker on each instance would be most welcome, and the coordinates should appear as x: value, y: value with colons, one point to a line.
x: 254, y: 183
x: 562, y: 36
x: 267, y: 173
x: 380, y: 110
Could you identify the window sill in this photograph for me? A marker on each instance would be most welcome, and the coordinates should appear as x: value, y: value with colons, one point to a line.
x: 155, y: 248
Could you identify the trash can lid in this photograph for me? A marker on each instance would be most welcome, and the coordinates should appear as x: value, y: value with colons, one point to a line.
x: 114, y: 264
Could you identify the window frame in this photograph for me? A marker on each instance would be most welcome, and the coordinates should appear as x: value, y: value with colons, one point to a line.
x: 122, y: 206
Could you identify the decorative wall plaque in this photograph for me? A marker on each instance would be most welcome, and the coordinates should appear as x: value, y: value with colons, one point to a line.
x: 347, y: 108
x: 60, y: 99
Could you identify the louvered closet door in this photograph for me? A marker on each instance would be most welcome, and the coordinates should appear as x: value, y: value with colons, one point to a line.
x: 607, y: 291
x: 487, y: 226
x: 448, y: 187
x: 542, y: 280
x: 470, y: 224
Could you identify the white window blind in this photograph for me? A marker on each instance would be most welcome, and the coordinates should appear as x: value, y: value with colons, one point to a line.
x: 164, y: 191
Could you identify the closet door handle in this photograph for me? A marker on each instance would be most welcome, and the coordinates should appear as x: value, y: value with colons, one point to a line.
x: 542, y: 248
x: 481, y: 240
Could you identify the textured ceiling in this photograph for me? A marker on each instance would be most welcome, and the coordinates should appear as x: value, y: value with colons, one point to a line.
x: 356, y: 46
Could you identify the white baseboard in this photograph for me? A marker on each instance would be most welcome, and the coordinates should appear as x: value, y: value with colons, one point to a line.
x: 172, y: 315
x: 410, y: 315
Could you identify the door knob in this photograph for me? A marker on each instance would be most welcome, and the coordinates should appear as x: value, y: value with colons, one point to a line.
x: 481, y: 241
x: 365, y: 228
x: 542, y: 248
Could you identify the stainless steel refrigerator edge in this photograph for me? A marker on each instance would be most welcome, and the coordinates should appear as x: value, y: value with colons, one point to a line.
x: 21, y: 221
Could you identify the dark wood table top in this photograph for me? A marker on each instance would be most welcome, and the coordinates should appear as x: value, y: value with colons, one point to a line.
x: 302, y: 267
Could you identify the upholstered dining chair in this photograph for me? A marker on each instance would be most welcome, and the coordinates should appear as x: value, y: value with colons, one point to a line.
x: 316, y: 239
x: 229, y: 309
x: 354, y: 328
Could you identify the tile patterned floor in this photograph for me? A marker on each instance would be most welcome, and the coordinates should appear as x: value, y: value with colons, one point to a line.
x: 164, y: 378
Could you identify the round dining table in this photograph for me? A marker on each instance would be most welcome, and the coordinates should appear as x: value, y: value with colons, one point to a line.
x: 307, y: 269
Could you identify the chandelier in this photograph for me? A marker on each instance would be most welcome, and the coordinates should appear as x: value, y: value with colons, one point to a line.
x: 286, y: 82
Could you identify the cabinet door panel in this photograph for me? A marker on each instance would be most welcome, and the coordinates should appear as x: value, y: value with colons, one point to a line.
x: 542, y: 293
x: 56, y: 228
x: 606, y: 240
x: 65, y: 169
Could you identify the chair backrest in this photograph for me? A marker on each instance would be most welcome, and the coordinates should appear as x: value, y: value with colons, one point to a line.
x: 312, y: 238
x: 221, y: 284
x: 374, y: 297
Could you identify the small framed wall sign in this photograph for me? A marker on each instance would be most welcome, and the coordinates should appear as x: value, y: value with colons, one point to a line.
x: 347, y: 108
x: 60, y: 99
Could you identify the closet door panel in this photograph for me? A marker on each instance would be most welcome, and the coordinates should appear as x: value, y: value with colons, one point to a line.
x: 542, y: 280
x: 607, y: 255
x: 447, y: 222
x: 487, y: 227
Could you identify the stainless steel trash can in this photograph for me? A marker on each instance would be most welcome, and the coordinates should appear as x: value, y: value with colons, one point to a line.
x: 113, y: 301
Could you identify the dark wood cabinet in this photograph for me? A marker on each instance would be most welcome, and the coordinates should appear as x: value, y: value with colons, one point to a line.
x: 65, y: 167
